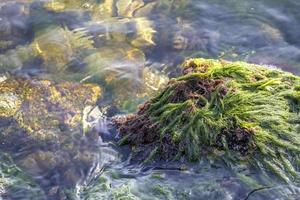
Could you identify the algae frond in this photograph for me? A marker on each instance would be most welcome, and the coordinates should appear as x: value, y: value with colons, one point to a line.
x: 248, y: 112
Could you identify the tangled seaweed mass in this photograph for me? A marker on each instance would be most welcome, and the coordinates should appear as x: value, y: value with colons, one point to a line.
x: 233, y: 111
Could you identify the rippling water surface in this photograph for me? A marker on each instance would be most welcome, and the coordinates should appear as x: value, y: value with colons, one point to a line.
x: 130, y: 48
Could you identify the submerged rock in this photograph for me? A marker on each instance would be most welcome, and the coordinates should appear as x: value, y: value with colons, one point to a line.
x: 14, y: 25
x: 231, y: 112
x: 42, y: 104
x: 42, y: 128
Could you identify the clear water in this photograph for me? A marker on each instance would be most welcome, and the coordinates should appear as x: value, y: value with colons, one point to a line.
x: 123, y: 45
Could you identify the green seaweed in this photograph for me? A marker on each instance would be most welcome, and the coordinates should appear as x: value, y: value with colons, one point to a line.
x: 160, y: 190
x: 123, y: 193
x: 250, y: 112
x: 16, y: 184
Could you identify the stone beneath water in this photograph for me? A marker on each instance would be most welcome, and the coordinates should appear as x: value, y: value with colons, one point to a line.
x: 41, y: 125
x: 231, y: 112
x: 39, y: 105
x: 14, y: 25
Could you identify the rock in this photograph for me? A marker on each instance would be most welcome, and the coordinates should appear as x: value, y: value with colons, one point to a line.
x: 249, y: 112
x: 41, y: 128
x: 44, y: 105
x: 122, y: 72
x: 58, y: 47
x: 14, y: 25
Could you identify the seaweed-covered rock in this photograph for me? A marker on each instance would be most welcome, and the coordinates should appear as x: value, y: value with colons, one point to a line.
x: 43, y: 127
x: 42, y: 104
x: 235, y: 112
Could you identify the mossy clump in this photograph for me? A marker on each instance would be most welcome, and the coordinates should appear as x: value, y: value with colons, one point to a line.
x: 244, y: 112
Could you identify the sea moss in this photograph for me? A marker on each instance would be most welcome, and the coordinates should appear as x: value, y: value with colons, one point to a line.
x: 248, y: 112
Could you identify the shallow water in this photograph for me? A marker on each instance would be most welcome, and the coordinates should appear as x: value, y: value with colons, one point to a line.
x: 130, y: 48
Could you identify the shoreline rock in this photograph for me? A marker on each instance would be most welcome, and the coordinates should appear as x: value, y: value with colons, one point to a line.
x: 234, y: 112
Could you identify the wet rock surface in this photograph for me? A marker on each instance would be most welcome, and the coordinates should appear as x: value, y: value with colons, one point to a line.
x: 42, y: 129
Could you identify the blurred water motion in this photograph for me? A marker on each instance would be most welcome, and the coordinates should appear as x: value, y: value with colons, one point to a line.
x: 130, y: 48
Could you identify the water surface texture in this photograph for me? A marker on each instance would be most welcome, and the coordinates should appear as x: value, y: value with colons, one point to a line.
x: 129, y: 48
